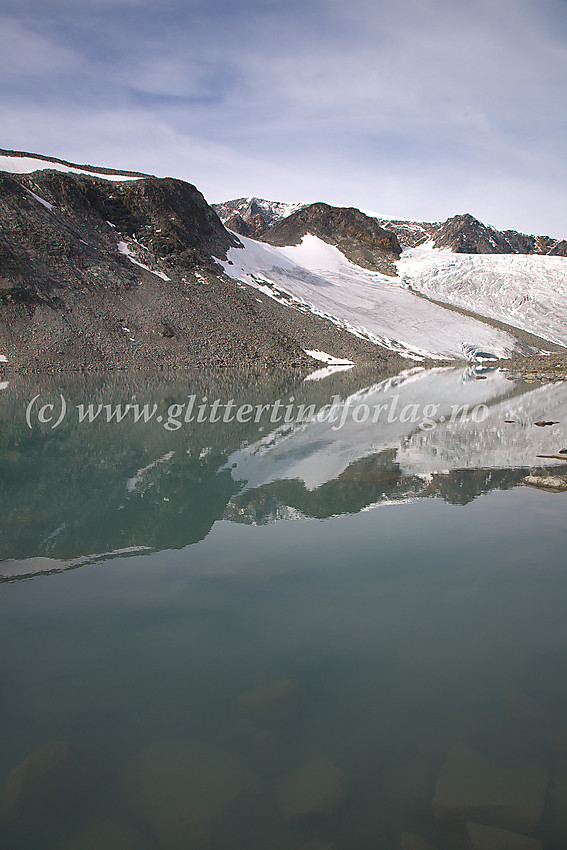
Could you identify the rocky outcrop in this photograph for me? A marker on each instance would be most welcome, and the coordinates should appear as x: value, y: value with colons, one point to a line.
x: 358, y: 236
x: 410, y: 234
x: 465, y: 234
x: 253, y: 216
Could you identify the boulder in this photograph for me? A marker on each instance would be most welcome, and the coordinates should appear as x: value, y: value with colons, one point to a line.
x: 559, y: 742
x: 106, y: 835
x: 46, y: 787
x: 179, y: 789
x: 274, y: 703
x: 509, y: 794
x: 555, y: 815
x: 411, y: 841
x: 491, y: 838
x: 315, y: 787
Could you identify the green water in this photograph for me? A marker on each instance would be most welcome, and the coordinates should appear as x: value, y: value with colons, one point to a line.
x: 303, y: 624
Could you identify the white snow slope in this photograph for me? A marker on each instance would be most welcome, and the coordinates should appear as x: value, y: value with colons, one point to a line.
x: 27, y: 164
x: 316, y: 276
x: 316, y: 452
x: 527, y: 291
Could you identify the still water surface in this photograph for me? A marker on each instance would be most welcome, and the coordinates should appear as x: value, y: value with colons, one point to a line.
x: 266, y: 635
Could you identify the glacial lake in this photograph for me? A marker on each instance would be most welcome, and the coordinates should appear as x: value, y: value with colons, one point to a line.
x: 221, y: 629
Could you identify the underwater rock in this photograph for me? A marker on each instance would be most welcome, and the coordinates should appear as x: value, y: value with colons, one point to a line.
x: 411, y: 841
x: 558, y: 743
x: 250, y: 823
x: 268, y: 752
x: 107, y: 835
x: 555, y: 814
x: 179, y: 788
x: 472, y: 787
x: 413, y: 782
x: 274, y: 703
x: 316, y: 787
x: 46, y: 786
x: 491, y: 838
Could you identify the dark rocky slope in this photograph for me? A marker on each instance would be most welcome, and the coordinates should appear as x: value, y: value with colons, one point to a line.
x: 99, y: 275
x: 359, y: 237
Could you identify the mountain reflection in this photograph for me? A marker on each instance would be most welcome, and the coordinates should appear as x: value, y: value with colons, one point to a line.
x: 91, y: 489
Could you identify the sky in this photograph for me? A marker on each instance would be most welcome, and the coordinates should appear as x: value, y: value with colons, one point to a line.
x: 410, y: 108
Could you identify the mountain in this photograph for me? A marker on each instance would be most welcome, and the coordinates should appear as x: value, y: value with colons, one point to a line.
x: 108, y: 269
x: 104, y: 269
x: 360, y: 238
x: 514, y: 282
x: 140, y: 486
x: 465, y: 234
x: 253, y: 216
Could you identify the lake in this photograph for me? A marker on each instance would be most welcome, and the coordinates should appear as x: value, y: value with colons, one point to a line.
x: 261, y: 613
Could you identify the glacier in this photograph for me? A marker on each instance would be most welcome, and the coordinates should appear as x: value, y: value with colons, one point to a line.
x: 316, y: 276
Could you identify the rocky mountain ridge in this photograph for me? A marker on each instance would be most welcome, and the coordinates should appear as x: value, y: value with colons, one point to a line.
x: 101, y: 269
x: 462, y: 233
x: 360, y: 238
x: 253, y: 216
x: 465, y: 234
x: 104, y: 273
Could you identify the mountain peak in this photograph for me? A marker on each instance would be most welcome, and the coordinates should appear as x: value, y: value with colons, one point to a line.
x: 358, y: 236
x: 253, y: 216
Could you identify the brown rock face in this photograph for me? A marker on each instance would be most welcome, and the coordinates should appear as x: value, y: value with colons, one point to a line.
x: 464, y: 234
x: 358, y: 236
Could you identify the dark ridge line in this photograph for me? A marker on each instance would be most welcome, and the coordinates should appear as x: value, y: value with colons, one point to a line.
x: 91, y: 168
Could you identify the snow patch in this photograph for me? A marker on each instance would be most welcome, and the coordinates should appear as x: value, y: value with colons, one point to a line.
x: 132, y: 483
x: 27, y: 164
x: 328, y: 370
x: 124, y: 249
x: 328, y: 358
x: 45, y: 203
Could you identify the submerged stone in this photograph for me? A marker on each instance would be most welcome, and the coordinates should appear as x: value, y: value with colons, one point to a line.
x: 275, y: 703
x: 316, y: 787
x: 555, y: 815
x: 180, y: 788
x: 107, y: 835
x: 491, y: 838
x: 472, y: 787
x: 411, y: 841
x: 46, y: 786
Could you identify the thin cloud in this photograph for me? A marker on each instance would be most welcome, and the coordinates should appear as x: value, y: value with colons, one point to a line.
x: 421, y: 108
